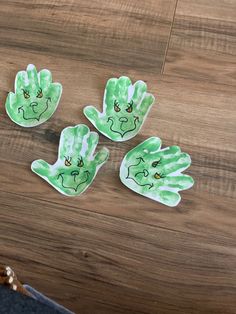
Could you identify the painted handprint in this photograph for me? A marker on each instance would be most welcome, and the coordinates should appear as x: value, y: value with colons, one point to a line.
x: 35, y: 98
x: 77, y: 165
x: 156, y: 173
x: 125, y: 107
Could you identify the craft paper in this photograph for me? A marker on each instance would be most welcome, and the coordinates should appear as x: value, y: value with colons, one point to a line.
x: 77, y: 165
x: 156, y: 173
x: 35, y: 98
x: 125, y: 108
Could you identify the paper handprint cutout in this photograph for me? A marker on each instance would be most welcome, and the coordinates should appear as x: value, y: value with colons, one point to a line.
x: 156, y: 173
x: 35, y: 98
x: 77, y: 165
x: 125, y: 107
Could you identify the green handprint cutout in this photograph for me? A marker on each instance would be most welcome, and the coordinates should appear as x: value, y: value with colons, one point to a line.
x: 125, y: 107
x: 35, y: 98
x: 156, y: 173
x: 76, y: 166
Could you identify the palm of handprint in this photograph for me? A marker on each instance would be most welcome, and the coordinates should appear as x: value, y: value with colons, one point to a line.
x: 35, y: 98
x: 76, y: 166
x: 125, y: 107
x: 156, y: 173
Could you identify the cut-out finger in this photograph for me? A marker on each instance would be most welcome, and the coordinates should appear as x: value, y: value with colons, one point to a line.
x: 101, y: 156
x: 33, y: 77
x: 45, y: 79
x: 71, y: 140
x: 140, y: 89
x: 169, y: 198
x: 92, y: 142
x: 176, y: 164
x: 181, y: 182
x: 41, y: 167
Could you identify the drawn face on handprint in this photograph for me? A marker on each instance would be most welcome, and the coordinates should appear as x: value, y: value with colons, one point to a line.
x: 76, y: 166
x: 35, y: 98
x: 125, y: 107
x: 74, y: 174
x: 156, y: 173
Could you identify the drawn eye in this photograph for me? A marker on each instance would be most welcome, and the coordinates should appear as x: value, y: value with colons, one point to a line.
x: 158, y: 176
x: 116, y: 106
x: 80, y: 162
x: 26, y: 94
x: 40, y: 93
x: 156, y: 163
x: 130, y: 108
x: 68, y: 161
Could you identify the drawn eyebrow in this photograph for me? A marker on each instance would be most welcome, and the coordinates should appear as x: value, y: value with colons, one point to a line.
x: 68, y: 160
x: 80, y: 161
x: 39, y: 93
x: 25, y: 91
x: 156, y: 163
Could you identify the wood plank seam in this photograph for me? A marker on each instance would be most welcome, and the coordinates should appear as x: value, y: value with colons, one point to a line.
x: 169, y: 38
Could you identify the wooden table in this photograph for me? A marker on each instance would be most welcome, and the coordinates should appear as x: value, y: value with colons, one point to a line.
x: 111, y: 250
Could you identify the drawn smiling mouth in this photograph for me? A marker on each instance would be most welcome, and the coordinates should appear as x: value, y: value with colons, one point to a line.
x: 145, y: 173
x: 122, y: 132
x: 61, y: 176
x: 33, y: 107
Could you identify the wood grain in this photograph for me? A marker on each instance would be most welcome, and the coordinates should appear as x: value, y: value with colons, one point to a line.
x: 111, y: 250
x: 100, y: 263
x: 202, y: 44
x: 117, y: 33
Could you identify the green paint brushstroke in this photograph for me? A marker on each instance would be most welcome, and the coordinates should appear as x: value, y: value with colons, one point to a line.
x: 77, y: 165
x: 156, y: 173
x: 35, y: 99
x: 125, y: 108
